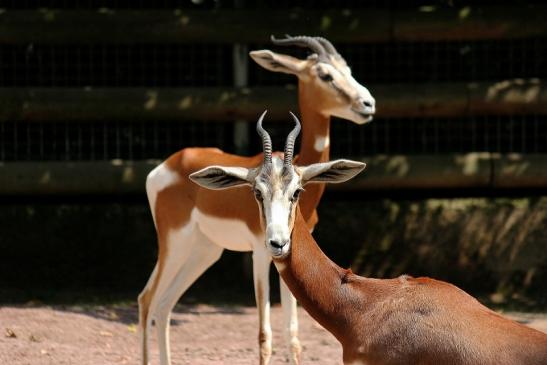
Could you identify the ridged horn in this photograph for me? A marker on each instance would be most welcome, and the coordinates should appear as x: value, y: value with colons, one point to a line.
x: 301, y: 41
x: 266, y: 139
x: 291, y: 139
x: 328, y: 46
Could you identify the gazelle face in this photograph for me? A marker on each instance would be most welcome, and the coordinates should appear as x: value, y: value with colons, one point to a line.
x: 325, y: 79
x: 277, y: 185
x: 333, y: 87
x: 277, y: 189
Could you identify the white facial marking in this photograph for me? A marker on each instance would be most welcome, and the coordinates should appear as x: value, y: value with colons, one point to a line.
x: 330, y: 69
x: 321, y: 143
x: 357, y: 93
x: 277, y: 209
x: 362, y: 91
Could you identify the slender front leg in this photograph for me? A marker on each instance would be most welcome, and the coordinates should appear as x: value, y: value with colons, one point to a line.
x: 261, y: 270
x: 290, y: 321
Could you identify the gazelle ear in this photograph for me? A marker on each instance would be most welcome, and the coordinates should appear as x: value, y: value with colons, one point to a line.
x: 221, y: 177
x: 331, y: 172
x: 278, y: 62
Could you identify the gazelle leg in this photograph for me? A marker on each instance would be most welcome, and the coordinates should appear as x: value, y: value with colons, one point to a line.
x: 290, y: 321
x: 145, y: 320
x: 202, y: 254
x: 202, y: 257
x: 261, y: 270
x: 181, y: 246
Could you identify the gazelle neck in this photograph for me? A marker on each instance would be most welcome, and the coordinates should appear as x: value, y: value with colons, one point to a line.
x: 315, y: 145
x: 321, y: 286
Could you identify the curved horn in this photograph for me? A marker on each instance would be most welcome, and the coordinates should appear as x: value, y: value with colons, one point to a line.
x: 266, y: 139
x: 291, y: 138
x: 327, y: 45
x: 301, y: 41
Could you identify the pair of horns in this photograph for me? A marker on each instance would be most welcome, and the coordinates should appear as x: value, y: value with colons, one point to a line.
x: 318, y: 45
x: 267, y: 140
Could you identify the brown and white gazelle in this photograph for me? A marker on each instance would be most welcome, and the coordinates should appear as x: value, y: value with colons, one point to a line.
x: 378, y: 322
x: 195, y: 225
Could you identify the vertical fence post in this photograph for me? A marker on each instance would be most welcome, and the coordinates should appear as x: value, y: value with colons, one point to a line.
x: 241, y: 127
x: 241, y: 79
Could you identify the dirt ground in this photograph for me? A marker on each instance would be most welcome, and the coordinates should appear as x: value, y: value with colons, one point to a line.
x: 200, y: 334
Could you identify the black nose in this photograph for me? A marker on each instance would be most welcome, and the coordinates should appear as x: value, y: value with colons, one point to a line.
x: 276, y: 244
x: 368, y: 104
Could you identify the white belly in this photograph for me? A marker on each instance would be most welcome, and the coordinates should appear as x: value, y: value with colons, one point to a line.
x: 231, y: 234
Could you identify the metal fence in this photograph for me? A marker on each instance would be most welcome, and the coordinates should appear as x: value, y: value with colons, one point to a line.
x: 199, y: 65
x: 211, y: 65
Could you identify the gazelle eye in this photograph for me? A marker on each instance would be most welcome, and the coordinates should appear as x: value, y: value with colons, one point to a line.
x: 325, y: 77
x: 296, y: 194
x: 258, y: 195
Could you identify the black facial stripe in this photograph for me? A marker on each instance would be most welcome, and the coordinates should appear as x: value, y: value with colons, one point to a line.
x: 287, y: 177
x: 262, y: 213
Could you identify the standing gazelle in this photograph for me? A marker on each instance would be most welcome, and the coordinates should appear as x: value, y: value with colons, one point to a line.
x: 195, y: 225
x: 378, y: 322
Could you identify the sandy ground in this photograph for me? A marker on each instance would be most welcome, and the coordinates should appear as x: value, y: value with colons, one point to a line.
x: 201, y: 334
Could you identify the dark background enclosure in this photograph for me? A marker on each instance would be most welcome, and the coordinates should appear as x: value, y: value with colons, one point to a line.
x: 69, y: 244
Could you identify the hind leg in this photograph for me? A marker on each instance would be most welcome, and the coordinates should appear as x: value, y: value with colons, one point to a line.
x: 145, y: 320
x: 201, y: 256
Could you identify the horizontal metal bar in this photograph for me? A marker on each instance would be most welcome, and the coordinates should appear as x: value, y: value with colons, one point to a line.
x: 225, y: 104
x: 509, y: 97
x: 73, y: 178
x: 473, y: 170
x: 477, y: 170
x: 426, y: 23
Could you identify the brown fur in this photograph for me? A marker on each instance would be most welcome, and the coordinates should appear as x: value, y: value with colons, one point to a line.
x: 174, y: 203
x: 404, y: 320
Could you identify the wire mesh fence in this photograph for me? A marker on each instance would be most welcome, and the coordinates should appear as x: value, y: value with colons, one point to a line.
x: 210, y: 65
x: 402, y: 62
x: 115, y: 66
x: 210, y: 4
x: 106, y: 140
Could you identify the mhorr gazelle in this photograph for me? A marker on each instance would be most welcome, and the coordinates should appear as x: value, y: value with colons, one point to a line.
x: 195, y: 225
x: 378, y: 321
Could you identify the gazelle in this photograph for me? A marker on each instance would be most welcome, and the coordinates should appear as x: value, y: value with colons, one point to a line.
x: 195, y: 225
x: 382, y: 322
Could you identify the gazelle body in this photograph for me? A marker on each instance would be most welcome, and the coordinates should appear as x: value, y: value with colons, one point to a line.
x: 194, y: 225
x: 404, y: 320
x: 378, y: 321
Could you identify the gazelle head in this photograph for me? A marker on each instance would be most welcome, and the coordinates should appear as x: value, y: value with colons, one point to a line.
x: 325, y: 78
x: 277, y: 185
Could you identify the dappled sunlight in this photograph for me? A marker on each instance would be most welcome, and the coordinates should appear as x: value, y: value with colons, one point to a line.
x: 482, y: 245
x: 151, y: 100
x: 471, y: 162
x: 398, y: 166
x: 515, y: 91
x: 185, y: 103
